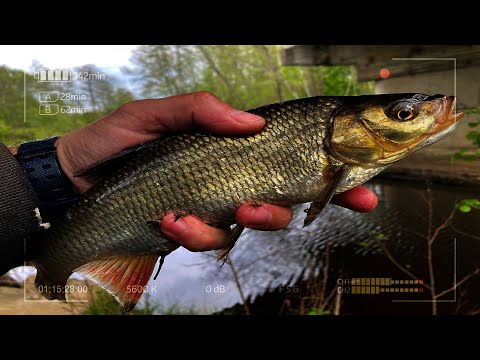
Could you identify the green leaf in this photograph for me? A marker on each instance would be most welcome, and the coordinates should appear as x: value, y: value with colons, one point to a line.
x: 473, y: 124
x: 472, y: 135
x: 466, y: 205
x: 317, y: 311
x: 469, y: 202
x: 472, y: 111
x: 457, y: 155
x: 470, y: 158
x: 463, y: 155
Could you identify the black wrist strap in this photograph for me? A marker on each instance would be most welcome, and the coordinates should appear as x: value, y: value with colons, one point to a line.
x: 40, y: 163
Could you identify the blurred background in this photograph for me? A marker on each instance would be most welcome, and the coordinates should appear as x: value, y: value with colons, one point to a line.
x: 417, y: 253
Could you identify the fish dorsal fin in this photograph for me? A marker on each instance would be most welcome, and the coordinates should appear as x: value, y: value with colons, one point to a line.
x: 334, y: 175
x: 123, y: 277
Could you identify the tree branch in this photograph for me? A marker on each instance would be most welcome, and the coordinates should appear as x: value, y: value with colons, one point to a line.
x: 466, y: 278
x: 239, y: 287
x: 219, y: 73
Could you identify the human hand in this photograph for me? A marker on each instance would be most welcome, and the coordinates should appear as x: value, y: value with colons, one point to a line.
x: 141, y: 121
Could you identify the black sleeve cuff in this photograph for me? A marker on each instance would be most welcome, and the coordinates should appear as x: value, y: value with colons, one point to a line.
x: 40, y: 164
x: 18, y: 202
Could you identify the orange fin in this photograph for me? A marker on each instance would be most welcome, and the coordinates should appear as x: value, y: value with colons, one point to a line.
x: 125, y: 277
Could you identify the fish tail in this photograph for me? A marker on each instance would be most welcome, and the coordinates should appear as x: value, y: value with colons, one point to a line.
x: 50, y: 288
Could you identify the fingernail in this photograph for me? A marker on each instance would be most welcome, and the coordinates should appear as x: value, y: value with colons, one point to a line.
x: 174, y: 228
x: 259, y: 216
x: 245, y: 117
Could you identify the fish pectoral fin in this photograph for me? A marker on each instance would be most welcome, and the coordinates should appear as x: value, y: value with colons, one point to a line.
x: 335, y: 174
x: 160, y: 264
x: 234, y: 235
x: 123, y: 277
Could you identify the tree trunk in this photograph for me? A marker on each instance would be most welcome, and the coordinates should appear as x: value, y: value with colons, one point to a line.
x: 276, y: 71
x: 279, y: 79
x: 168, y: 73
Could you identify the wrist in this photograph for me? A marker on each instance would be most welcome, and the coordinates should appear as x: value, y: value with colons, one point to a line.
x: 42, y: 168
x: 67, y: 162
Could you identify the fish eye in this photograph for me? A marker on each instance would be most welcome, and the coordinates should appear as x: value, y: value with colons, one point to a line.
x: 401, y: 111
x: 404, y: 115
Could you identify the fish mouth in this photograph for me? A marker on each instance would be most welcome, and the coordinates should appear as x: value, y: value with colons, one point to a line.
x: 446, y: 114
x: 446, y: 120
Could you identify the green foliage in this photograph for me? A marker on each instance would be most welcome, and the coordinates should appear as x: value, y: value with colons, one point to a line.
x: 465, y: 155
x: 474, y: 137
x: 364, y: 244
x: 472, y: 111
x: 245, y: 76
x: 103, y: 94
x: 466, y: 205
x: 374, y: 246
x: 165, y: 69
x: 342, y: 81
x: 105, y: 304
x: 176, y: 309
x: 17, y: 126
x: 318, y: 311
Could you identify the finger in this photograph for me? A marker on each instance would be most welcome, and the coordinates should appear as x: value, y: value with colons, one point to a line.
x: 265, y: 217
x: 360, y: 199
x: 155, y: 117
x: 194, y: 234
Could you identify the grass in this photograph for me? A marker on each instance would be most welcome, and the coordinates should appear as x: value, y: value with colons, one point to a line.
x: 105, y: 304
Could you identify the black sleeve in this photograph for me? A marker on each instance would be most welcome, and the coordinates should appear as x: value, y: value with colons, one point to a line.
x: 18, y: 202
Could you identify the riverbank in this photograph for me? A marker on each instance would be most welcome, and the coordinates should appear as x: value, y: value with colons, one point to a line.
x: 25, y: 300
x: 435, y: 165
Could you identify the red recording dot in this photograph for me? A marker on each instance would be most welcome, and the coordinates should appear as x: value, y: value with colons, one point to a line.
x: 420, y: 281
x: 384, y: 73
x: 420, y: 290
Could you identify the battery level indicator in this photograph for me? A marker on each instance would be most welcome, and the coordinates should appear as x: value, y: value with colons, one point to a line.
x: 53, y: 75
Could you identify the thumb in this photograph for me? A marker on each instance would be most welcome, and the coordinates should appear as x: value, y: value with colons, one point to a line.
x: 200, y: 110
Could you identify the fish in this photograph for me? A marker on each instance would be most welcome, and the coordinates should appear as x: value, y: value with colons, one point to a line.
x: 309, y: 150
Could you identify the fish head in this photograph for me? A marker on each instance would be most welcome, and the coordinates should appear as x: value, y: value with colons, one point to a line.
x: 375, y: 130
